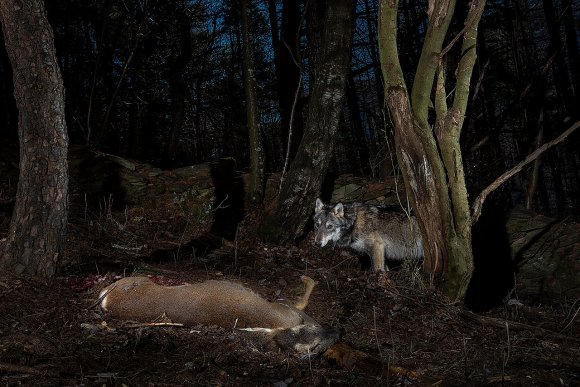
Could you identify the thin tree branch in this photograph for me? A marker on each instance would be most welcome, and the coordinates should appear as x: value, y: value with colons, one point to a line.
x: 290, y: 125
x: 473, y: 19
x: 479, y: 81
x: 125, y: 68
x: 292, y: 111
x: 94, y: 83
x: 478, y: 203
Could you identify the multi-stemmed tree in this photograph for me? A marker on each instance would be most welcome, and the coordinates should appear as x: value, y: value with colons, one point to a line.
x: 428, y: 147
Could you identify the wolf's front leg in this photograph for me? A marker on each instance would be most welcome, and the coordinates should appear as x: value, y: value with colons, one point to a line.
x: 378, y: 257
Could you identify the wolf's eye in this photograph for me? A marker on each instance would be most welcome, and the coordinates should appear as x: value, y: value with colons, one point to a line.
x: 317, y: 224
x: 329, y: 226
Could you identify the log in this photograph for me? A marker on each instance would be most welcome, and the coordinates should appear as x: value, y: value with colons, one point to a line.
x: 98, y: 177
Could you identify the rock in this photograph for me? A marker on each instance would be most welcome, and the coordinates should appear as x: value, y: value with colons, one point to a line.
x: 547, y: 254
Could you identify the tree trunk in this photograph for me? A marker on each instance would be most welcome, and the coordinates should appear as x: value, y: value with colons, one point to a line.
x: 177, y: 91
x: 36, y: 236
x: 304, y: 179
x: 429, y: 153
x: 359, y: 157
x: 177, y: 85
x: 288, y: 72
x: 256, y: 182
x: 572, y: 46
x: 562, y: 75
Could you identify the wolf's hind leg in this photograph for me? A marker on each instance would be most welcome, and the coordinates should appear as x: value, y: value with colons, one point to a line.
x: 309, y: 283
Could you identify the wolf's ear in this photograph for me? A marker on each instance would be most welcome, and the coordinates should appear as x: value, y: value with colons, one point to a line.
x: 319, y: 205
x: 338, y: 210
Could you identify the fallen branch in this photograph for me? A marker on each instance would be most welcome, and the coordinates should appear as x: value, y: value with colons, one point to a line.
x: 128, y: 248
x: 478, y: 202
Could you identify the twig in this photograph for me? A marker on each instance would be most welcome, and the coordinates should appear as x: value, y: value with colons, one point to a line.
x: 291, y: 123
x: 477, y: 87
x: 294, y: 103
x: 515, y: 326
x: 155, y: 324
x: 127, y: 248
x: 478, y: 202
x: 468, y: 25
x: 508, y: 347
x: 22, y: 369
x: 571, y: 319
x: 375, y: 331
x: 138, y: 34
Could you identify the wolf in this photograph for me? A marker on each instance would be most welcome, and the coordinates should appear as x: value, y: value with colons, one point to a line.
x: 375, y: 230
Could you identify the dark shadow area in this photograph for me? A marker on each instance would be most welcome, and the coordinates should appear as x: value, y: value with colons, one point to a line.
x: 325, y: 195
x: 229, y: 193
x: 327, y: 188
x: 494, y: 270
x: 195, y: 248
x: 97, y: 178
x: 365, y: 262
x: 6, y: 208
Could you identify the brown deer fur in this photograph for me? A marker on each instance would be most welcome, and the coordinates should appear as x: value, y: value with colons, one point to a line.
x: 222, y: 303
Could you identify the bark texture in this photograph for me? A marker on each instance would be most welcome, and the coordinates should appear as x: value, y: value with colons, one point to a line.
x: 35, y: 240
x: 304, y: 179
x: 429, y: 152
x: 256, y: 182
x: 288, y: 62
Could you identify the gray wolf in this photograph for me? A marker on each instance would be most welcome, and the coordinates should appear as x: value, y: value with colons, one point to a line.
x: 222, y: 303
x: 377, y: 231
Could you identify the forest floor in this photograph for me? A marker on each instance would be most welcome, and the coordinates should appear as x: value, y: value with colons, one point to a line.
x: 54, y: 333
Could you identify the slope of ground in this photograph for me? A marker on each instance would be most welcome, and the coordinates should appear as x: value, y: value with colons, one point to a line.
x: 53, y: 333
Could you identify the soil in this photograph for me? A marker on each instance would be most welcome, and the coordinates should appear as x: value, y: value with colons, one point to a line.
x: 396, y: 329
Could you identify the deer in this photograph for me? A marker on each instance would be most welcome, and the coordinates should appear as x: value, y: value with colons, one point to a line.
x: 220, y: 303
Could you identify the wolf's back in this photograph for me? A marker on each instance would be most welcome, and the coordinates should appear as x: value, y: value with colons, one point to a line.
x: 379, y: 231
x: 397, y: 231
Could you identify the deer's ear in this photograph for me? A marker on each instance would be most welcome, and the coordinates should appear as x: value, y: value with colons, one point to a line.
x: 319, y: 205
x: 338, y: 210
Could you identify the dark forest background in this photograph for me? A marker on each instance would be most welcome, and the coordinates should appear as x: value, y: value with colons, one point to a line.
x: 161, y: 82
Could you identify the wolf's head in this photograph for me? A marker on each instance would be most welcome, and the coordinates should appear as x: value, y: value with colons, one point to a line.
x: 330, y: 223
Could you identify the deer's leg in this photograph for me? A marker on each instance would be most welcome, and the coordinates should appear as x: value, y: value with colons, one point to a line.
x: 309, y: 284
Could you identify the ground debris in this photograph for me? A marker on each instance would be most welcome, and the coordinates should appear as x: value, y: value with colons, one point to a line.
x: 396, y: 330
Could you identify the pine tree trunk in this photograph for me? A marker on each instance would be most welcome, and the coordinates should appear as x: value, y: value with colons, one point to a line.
x: 36, y: 236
